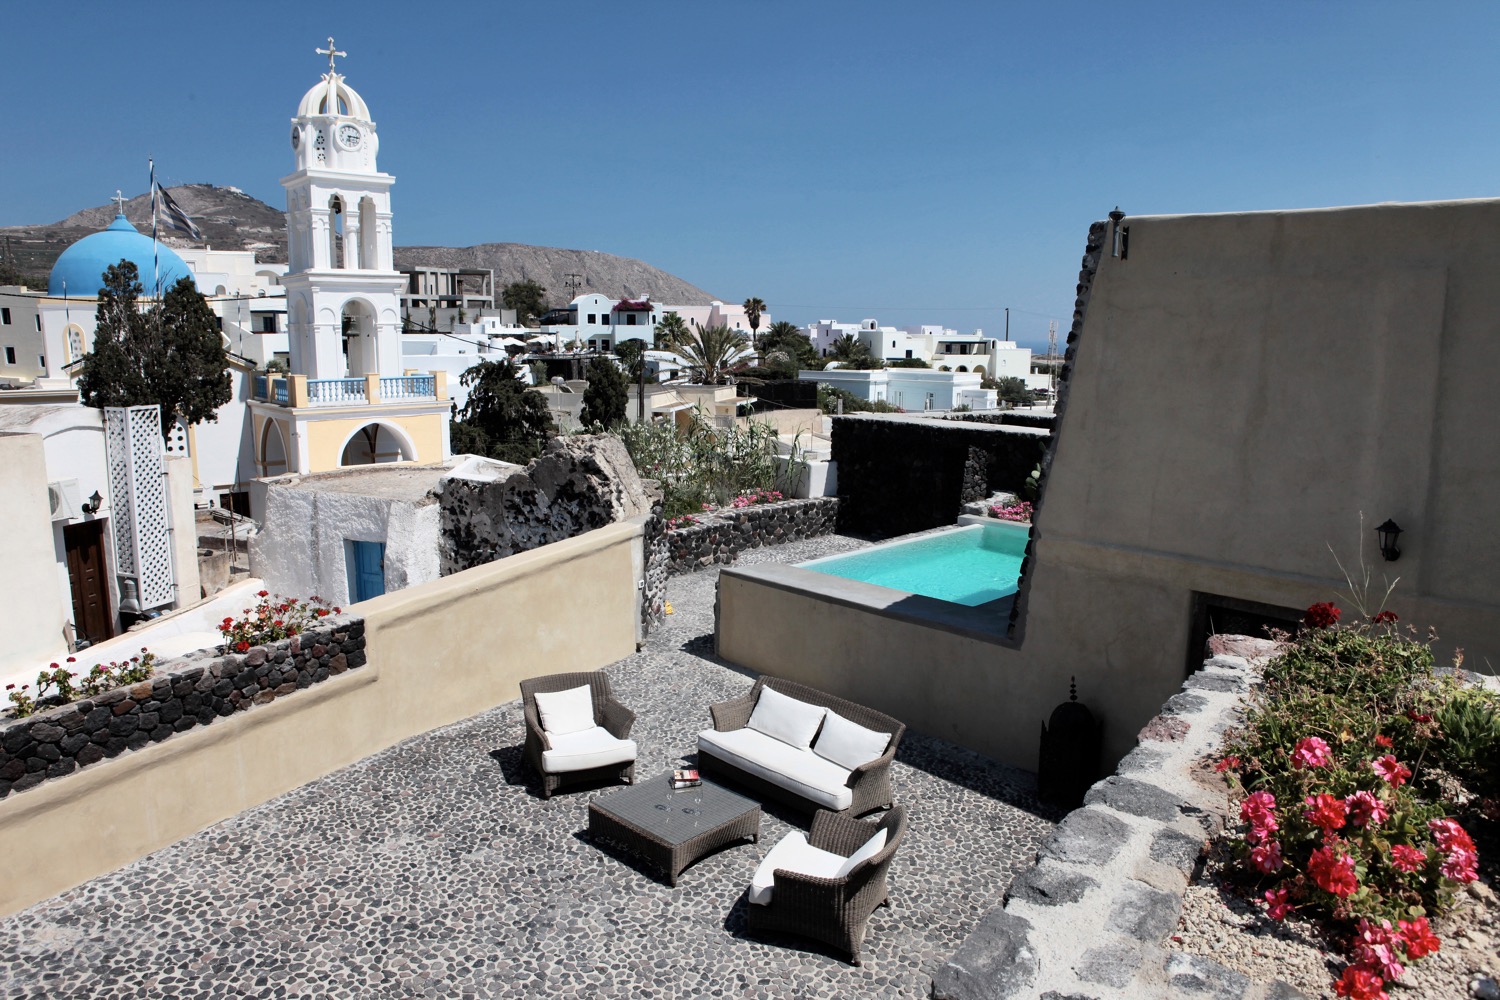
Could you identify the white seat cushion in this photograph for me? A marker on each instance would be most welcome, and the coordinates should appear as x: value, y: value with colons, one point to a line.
x: 564, y: 712
x: 868, y: 849
x: 792, y: 853
x: 849, y: 743
x: 580, y: 751
x: 801, y: 772
x: 787, y: 719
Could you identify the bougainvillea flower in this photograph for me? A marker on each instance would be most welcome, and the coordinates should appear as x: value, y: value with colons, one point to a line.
x: 1326, y: 812
x: 1277, y: 906
x: 1407, y: 859
x: 1391, y: 770
x: 1360, y: 984
x: 1321, y: 615
x: 1365, y: 809
x: 1418, y: 937
x: 1333, y: 872
x: 1311, y: 751
x: 1266, y: 857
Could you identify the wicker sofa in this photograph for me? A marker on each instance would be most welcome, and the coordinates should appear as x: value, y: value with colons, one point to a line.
x: 803, y: 768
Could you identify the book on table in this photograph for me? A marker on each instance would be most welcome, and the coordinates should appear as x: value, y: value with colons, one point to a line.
x: 686, y: 778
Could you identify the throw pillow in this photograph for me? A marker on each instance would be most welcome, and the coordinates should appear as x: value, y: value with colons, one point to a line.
x: 565, y: 712
x: 849, y: 744
x: 869, y: 849
x: 786, y: 719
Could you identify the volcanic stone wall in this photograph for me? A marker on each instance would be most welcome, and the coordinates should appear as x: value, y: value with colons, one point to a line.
x: 720, y: 538
x: 193, y: 691
x: 898, y: 475
x: 1014, y: 418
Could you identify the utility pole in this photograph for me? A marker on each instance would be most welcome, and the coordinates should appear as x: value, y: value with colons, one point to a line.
x: 1052, y: 355
x: 1007, y: 322
x: 574, y: 282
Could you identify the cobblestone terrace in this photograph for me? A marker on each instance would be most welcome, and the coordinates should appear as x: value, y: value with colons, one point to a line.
x: 435, y: 870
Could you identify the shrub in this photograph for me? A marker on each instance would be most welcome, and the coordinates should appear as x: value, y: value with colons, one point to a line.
x: 272, y: 619
x: 1016, y: 510
x: 705, y: 466
x: 59, y: 685
x: 1342, y: 818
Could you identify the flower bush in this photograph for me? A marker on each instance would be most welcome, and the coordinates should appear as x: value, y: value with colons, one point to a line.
x: 1016, y: 510
x: 272, y: 619
x: 59, y: 685
x: 1349, y: 777
x: 682, y: 521
x: 703, y: 466
x: 750, y: 498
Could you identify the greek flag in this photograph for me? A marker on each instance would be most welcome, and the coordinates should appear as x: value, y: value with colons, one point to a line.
x: 174, y: 216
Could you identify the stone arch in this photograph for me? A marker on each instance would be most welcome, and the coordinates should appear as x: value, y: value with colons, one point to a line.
x: 357, y: 320
x: 273, y: 451
x: 375, y: 443
x: 979, y: 370
x: 963, y: 368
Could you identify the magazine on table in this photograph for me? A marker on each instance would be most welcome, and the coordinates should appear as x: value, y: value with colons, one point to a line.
x: 686, y: 778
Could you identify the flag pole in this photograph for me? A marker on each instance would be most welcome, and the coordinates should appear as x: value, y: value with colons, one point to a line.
x: 155, y: 254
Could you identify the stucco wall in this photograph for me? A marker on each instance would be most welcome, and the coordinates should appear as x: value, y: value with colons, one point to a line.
x: 436, y: 654
x: 34, y: 609
x: 327, y: 438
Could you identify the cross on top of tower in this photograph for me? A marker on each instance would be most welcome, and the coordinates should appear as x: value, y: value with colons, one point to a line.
x: 332, y: 53
x: 119, y: 200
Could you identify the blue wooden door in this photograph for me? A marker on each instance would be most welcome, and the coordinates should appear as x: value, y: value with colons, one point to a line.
x: 366, y: 570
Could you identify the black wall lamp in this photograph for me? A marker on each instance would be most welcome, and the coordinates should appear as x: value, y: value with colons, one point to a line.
x: 95, y: 502
x: 1121, y: 235
x: 1388, y: 533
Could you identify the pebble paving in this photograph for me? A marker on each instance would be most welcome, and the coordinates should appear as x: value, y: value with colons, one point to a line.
x: 434, y: 869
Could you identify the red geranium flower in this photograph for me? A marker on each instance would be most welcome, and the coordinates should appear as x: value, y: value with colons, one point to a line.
x: 1311, y: 751
x: 1333, y: 872
x: 1321, y: 615
x: 1381, y: 740
x: 1326, y: 812
x: 1360, y: 984
x: 262, y: 593
x: 1384, y: 618
x: 1391, y: 770
x: 1266, y: 857
x: 242, y: 646
x: 1419, y: 939
x: 1228, y: 763
x: 1365, y: 809
x: 1259, y: 810
x: 1407, y: 859
x: 1277, y: 906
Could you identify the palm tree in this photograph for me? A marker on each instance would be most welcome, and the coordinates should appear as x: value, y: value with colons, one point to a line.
x: 669, y: 330
x: 753, y: 308
x: 710, y: 353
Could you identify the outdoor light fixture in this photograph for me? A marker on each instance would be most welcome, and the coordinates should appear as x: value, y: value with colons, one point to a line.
x: 1387, y: 533
x: 95, y: 502
x: 1121, y: 245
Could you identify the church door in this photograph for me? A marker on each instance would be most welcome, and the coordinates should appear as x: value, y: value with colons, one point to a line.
x: 84, y: 543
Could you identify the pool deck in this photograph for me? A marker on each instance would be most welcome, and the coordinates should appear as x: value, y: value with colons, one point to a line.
x: 434, y: 869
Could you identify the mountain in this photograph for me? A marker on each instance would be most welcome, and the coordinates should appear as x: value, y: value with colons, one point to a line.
x: 233, y: 220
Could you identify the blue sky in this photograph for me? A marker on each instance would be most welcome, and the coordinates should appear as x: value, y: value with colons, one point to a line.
x: 914, y: 162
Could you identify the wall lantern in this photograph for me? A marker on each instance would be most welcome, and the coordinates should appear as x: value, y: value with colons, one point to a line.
x: 1387, y: 533
x: 1121, y: 236
x: 95, y: 502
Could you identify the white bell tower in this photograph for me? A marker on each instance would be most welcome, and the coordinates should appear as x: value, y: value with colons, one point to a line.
x: 343, y: 289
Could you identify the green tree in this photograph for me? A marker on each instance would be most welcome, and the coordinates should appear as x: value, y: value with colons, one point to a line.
x: 854, y: 353
x: 528, y: 298
x: 792, y: 345
x: 1013, y: 390
x: 502, y: 418
x: 632, y: 355
x: 604, y: 399
x: 753, y: 308
x: 669, y: 330
x: 711, y: 353
x: 171, y: 356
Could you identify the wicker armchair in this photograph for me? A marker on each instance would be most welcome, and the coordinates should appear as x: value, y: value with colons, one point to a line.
x: 870, y: 783
x: 613, y: 717
x: 833, y: 910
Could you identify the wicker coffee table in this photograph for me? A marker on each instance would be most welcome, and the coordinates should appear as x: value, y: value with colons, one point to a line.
x: 672, y: 828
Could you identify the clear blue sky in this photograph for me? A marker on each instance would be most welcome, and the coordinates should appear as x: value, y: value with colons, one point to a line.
x: 915, y: 162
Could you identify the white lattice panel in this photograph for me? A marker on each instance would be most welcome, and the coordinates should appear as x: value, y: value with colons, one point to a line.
x: 117, y: 450
x: 141, y: 516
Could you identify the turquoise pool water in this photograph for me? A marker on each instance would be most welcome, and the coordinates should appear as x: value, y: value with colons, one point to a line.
x: 971, y: 565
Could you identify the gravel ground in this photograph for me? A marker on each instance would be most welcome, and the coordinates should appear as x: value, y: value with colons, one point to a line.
x: 434, y: 869
x: 1219, y: 923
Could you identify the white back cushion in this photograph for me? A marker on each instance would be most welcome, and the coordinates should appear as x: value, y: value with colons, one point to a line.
x: 869, y: 849
x: 786, y: 719
x: 564, y: 712
x: 848, y: 743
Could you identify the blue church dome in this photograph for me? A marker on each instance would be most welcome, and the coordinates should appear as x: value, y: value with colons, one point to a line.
x: 80, y: 269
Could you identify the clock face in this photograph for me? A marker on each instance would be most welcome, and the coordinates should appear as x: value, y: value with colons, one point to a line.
x: 349, y: 136
x: 296, y: 137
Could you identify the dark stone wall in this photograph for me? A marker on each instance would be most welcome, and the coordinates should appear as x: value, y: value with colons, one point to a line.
x: 781, y: 395
x: 899, y: 475
x: 721, y: 537
x: 1015, y: 418
x: 192, y: 692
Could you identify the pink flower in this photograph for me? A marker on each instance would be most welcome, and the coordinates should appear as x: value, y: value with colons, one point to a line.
x: 1391, y: 770
x: 1326, y: 812
x: 1333, y: 872
x: 1419, y: 939
x: 1266, y: 856
x: 1365, y: 809
x: 1259, y: 810
x: 1407, y: 859
x: 1277, y: 906
x: 1450, y: 836
x: 1374, y: 949
x: 1311, y: 751
x: 1460, y: 866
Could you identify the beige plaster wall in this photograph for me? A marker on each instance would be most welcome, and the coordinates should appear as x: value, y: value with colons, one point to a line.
x: 31, y: 603
x: 438, y: 653
x: 1243, y: 387
x: 326, y: 438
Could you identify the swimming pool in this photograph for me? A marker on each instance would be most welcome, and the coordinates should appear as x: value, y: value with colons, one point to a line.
x: 970, y: 565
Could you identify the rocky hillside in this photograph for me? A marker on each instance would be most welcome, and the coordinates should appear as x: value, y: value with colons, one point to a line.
x: 233, y: 220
